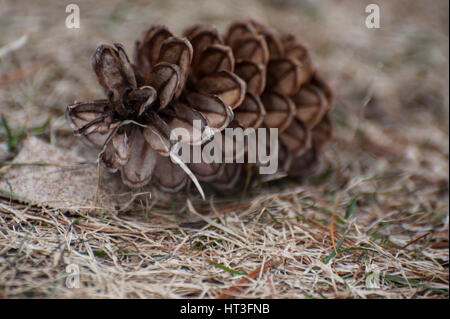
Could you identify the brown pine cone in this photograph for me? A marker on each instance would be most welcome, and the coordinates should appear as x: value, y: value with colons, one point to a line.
x: 172, y: 82
x: 250, y: 78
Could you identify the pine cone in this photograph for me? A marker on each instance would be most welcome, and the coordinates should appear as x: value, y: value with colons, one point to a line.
x: 252, y: 77
x: 284, y: 91
x: 172, y: 82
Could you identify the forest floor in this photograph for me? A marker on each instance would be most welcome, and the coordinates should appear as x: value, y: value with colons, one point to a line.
x: 372, y: 223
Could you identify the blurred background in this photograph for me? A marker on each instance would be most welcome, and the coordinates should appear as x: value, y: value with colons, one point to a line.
x: 395, y: 76
x: 387, y: 162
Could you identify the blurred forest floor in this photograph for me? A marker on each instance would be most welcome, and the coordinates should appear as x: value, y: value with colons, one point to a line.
x: 373, y: 223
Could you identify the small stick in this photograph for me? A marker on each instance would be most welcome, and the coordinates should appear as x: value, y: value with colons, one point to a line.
x: 228, y: 293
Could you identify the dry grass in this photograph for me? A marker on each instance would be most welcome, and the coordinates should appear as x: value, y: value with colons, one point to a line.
x: 372, y: 224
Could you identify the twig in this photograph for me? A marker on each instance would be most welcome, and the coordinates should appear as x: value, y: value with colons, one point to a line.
x: 238, y: 288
